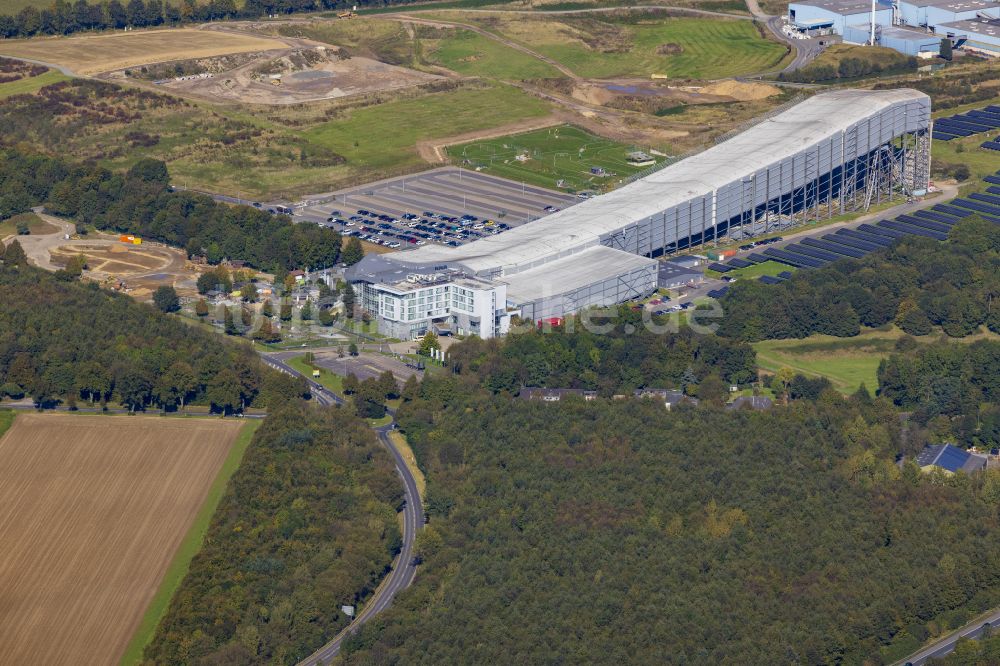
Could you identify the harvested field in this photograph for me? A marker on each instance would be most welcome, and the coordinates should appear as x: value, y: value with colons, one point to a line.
x: 92, y: 54
x: 92, y: 510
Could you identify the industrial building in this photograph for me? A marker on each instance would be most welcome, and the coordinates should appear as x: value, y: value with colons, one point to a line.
x: 836, y: 152
x: 912, y: 27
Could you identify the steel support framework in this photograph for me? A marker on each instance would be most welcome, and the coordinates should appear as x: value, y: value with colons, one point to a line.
x: 873, y: 161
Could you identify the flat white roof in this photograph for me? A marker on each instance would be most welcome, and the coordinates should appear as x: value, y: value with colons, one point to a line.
x: 975, y: 26
x: 952, y: 5
x: 591, y: 266
x: 842, y: 7
x: 573, y: 229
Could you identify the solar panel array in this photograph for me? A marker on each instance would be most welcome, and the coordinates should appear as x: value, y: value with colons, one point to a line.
x: 967, y: 124
x: 855, y: 243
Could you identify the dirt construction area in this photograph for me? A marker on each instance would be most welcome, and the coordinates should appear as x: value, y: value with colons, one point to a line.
x: 92, y: 510
x: 302, y: 74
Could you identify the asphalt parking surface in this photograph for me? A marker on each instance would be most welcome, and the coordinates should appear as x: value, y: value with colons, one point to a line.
x: 494, y: 204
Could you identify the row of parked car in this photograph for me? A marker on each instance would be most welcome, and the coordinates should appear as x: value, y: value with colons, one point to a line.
x: 766, y: 241
x: 413, y: 229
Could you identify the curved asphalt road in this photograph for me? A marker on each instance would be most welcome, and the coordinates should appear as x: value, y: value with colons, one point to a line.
x: 402, y: 572
x: 947, y: 644
x: 403, y: 569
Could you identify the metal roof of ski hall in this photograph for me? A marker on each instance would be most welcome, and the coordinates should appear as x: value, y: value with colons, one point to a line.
x: 571, y: 230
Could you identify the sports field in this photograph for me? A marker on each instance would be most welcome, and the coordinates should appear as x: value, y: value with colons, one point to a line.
x: 697, y: 48
x: 92, y: 54
x: 92, y: 511
x: 563, y: 154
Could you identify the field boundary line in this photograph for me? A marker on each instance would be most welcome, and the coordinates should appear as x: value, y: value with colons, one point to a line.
x: 6, y: 420
x: 189, y: 547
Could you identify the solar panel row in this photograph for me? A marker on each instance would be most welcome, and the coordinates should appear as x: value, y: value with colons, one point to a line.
x: 767, y: 279
x: 855, y: 243
x: 882, y: 231
x: 937, y: 217
x: 926, y: 224
x: 835, y: 250
x: 995, y: 180
x: 797, y: 261
x: 951, y: 210
x: 913, y: 230
x: 977, y: 206
x: 739, y: 263
x: 988, y: 198
x: 721, y: 268
x: 808, y: 247
x: 757, y: 258
x: 990, y: 145
x: 875, y: 239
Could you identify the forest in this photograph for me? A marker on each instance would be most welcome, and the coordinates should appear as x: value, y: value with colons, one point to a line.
x: 65, y: 341
x: 307, y: 524
x: 954, y: 389
x: 65, y: 17
x: 919, y: 284
x: 618, y: 532
x: 612, y: 362
x: 142, y: 202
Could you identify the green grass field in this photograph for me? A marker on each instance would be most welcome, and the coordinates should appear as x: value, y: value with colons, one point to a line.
x: 31, y: 84
x: 330, y: 380
x: 564, y: 153
x: 472, y: 54
x: 846, y: 362
x: 966, y: 150
x: 698, y: 48
x: 384, y: 136
x: 188, y: 549
x: 6, y: 418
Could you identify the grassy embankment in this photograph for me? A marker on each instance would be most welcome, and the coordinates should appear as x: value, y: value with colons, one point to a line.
x: 640, y: 45
x: 329, y: 380
x: 189, y: 547
x: 6, y: 419
x: 31, y: 84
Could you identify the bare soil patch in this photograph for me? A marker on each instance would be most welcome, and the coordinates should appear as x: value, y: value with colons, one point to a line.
x: 297, y: 75
x: 669, y: 49
x: 741, y: 91
x: 92, y: 510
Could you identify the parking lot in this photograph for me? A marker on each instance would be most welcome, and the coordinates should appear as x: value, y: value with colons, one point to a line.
x: 366, y: 366
x: 447, y: 206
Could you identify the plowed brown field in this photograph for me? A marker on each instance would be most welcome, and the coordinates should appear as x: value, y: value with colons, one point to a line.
x: 92, y: 510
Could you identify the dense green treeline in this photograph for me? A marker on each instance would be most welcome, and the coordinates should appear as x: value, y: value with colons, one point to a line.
x: 307, y: 524
x: 628, y: 357
x: 918, y: 283
x: 141, y: 202
x: 64, y: 17
x: 617, y: 532
x: 956, y: 388
x: 62, y: 340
